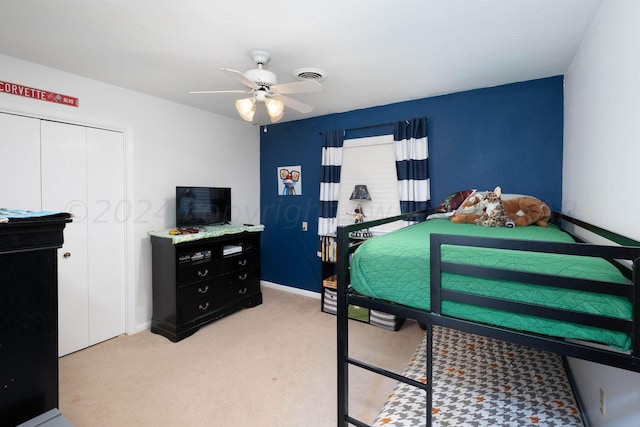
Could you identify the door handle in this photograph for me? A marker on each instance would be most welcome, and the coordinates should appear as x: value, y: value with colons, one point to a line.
x: 66, y: 255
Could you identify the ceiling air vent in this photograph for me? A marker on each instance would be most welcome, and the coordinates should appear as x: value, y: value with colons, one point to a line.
x: 310, y: 74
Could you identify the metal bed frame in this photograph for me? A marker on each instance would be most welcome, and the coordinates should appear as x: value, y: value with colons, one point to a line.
x: 628, y: 250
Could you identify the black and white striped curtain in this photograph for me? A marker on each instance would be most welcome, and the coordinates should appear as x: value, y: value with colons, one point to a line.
x: 412, y: 154
x: 330, y: 181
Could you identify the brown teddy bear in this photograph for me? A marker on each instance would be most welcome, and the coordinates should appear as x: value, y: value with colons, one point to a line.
x: 527, y: 210
x: 524, y: 210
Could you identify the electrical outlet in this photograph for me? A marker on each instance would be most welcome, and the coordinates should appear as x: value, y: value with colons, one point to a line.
x: 304, y: 225
x: 602, y: 401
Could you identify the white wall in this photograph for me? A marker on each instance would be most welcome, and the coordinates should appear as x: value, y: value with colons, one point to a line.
x: 168, y: 144
x: 601, y: 170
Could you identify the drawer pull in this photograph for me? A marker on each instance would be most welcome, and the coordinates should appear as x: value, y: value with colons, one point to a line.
x: 242, y: 291
x: 243, y: 276
x: 203, y: 273
x: 203, y: 290
x: 204, y: 306
x: 242, y: 262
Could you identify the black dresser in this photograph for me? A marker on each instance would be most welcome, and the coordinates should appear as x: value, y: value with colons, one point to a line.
x: 29, y: 317
x: 196, y: 282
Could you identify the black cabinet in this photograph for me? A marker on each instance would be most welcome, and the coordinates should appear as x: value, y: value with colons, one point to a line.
x: 29, y: 318
x: 199, y: 281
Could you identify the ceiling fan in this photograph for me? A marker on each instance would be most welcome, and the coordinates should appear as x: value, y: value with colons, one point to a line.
x: 263, y: 88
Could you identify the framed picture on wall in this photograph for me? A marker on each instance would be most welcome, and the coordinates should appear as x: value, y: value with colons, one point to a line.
x: 290, y: 180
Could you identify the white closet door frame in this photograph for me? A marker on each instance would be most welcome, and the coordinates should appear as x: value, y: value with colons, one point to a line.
x: 34, y: 112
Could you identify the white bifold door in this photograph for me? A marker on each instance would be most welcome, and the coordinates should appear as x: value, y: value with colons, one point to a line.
x: 81, y: 171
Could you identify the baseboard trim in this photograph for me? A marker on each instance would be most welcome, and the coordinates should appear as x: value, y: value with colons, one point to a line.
x: 141, y: 327
x: 291, y: 289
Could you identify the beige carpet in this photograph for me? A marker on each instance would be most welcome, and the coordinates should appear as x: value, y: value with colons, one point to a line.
x: 271, y: 365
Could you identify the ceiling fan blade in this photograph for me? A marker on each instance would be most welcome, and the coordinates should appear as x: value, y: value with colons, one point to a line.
x: 294, y: 104
x: 240, y: 77
x: 306, y: 86
x: 221, y: 91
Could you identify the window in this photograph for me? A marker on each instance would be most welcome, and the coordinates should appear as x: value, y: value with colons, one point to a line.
x: 370, y: 161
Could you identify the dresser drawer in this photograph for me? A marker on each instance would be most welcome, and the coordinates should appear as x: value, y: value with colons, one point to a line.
x: 241, y: 260
x: 198, y: 272
x: 240, y: 290
x: 202, y: 307
x: 200, y: 290
x: 242, y: 276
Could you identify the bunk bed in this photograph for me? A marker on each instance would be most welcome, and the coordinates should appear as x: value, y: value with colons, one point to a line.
x: 499, y: 283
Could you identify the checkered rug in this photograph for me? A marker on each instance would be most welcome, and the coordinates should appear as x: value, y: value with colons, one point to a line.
x: 480, y: 381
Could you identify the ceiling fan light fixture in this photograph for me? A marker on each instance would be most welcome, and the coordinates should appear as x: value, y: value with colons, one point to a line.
x: 275, y: 109
x: 262, y: 87
x: 246, y: 108
x: 277, y: 118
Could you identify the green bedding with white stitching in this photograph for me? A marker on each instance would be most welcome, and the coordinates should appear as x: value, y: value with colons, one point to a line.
x: 395, y: 267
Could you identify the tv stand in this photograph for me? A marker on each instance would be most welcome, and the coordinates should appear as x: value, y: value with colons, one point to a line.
x: 202, y: 277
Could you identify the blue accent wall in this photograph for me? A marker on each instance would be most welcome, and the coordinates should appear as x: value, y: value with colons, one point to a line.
x: 508, y: 135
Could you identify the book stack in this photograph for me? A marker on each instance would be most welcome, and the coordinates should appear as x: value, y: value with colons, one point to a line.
x: 328, y: 249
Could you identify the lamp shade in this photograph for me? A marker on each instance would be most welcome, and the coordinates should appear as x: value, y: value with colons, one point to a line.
x: 275, y: 109
x: 360, y: 192
x: 246, y: 108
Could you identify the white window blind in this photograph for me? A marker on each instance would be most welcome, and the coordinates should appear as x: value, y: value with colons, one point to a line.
x: 371, y: 162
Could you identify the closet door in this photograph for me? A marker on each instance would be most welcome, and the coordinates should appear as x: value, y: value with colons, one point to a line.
x: 64, y: 189
x: 20, y: 162
x: 106, y: 214
x: 83, y: 173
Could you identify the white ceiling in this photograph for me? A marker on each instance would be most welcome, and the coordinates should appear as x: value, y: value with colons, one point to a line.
x: 375, y: 52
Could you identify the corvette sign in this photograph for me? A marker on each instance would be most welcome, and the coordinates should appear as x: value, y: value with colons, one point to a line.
x: 43, y: 95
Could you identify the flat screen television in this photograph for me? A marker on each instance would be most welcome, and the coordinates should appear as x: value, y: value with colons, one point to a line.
x: 202, y: 206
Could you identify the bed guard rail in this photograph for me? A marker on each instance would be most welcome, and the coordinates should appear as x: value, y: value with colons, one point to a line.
x: 629, y: 290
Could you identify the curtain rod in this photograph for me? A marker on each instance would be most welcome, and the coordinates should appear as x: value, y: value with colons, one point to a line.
x: 367, y: 127
x: 381, y: 125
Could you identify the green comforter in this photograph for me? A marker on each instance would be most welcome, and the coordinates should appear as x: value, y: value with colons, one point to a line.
x: 395, y: 267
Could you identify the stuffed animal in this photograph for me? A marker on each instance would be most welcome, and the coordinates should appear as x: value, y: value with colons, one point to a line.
x: 527, y: 210
x: 523, y: 210
x: 494, y: 214
x: 470, y: 210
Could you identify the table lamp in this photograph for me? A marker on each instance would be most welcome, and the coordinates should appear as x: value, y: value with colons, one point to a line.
x: 360, y: 192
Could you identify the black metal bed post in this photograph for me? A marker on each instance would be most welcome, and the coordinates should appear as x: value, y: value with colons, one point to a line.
x: 429, y: 390
x: 435, y: 298
x: 635, y: 336
x: 342, y: 328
